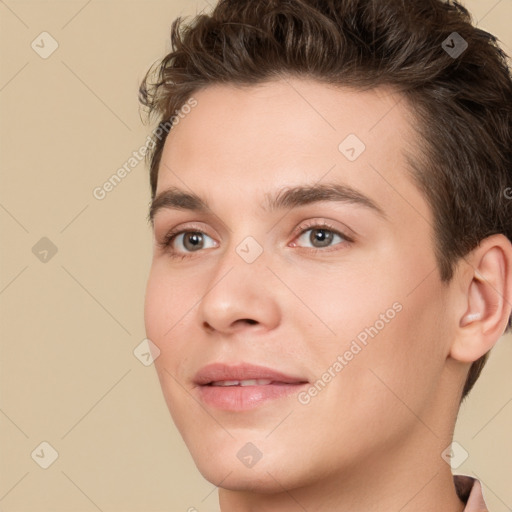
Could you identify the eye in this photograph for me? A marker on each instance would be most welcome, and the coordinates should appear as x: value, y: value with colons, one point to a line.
x: 182, y: 243
x: 320, y: 236
x: 179, y: 243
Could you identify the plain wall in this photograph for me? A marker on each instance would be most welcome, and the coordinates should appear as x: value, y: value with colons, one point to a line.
x: 69, y: 325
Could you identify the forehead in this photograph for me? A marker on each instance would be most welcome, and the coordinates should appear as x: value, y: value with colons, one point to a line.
x: 303, y: 108
x: 245, y: 141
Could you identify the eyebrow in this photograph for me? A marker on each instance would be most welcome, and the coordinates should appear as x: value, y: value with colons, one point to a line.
x: 290, y: 197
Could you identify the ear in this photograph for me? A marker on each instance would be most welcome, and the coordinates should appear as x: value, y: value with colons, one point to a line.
x: 486, y: 288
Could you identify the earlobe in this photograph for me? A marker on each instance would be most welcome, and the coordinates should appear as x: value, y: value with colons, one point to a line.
x: 487, y: 300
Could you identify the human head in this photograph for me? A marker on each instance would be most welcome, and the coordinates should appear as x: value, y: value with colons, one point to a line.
x: 385, y: 56
x: 463, y: 105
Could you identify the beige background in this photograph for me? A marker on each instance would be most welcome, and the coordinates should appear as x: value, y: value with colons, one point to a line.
x: 70, y: 325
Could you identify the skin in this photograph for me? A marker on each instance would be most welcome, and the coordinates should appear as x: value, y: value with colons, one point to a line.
x: 372, y: 438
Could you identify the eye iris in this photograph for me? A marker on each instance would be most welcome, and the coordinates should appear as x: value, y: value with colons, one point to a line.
x: 323, y: 236
x: 193, y: 238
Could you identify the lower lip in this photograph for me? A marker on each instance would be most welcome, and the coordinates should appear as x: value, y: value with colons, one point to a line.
x: 243, y: 398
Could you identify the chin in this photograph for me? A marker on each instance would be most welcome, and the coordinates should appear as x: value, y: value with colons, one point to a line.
x: 221, y: 463
x: 262, y: 480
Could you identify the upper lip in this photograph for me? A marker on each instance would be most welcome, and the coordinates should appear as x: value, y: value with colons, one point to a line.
x: 218, y: 372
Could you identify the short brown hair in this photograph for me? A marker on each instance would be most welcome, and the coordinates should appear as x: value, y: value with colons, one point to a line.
x: 462, y: 103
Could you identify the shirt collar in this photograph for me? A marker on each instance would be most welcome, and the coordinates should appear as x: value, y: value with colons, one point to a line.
x: 469, y: 491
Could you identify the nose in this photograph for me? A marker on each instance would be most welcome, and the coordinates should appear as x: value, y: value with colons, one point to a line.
x: 240, y: 295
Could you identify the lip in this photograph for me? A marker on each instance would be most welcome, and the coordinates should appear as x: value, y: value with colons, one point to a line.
x: 241, y: 398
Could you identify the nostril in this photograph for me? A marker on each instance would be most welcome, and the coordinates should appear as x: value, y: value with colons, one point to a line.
x: 250, y: 321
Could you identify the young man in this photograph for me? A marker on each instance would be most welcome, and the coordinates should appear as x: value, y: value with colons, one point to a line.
x: 332, y: 260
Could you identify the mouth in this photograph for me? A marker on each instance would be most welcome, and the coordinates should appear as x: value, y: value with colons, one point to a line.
x: 244, y: 387
x: 248, y: 382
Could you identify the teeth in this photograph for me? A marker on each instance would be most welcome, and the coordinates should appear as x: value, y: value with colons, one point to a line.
x: 226, y: 383
x: 248, y: 382
x: 255, y: 382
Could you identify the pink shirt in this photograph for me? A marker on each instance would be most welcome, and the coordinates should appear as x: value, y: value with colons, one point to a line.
x: 469, y: 491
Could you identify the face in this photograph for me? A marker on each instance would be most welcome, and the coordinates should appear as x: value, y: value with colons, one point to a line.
x: 294, y: 293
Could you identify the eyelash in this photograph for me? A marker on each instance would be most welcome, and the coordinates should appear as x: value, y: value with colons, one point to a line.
x: 169, y: 238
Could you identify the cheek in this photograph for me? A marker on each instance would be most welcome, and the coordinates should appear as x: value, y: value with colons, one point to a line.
x: 170, y: 304
x: 156, y: 306
x: 338, y: 305
x: 399, y: 369
x: 390, y: 322
x: 163, y: 307
x: 168, y: 299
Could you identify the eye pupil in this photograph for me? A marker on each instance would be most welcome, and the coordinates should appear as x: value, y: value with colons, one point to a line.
x: 323, y: 236
x: 193, y: 238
